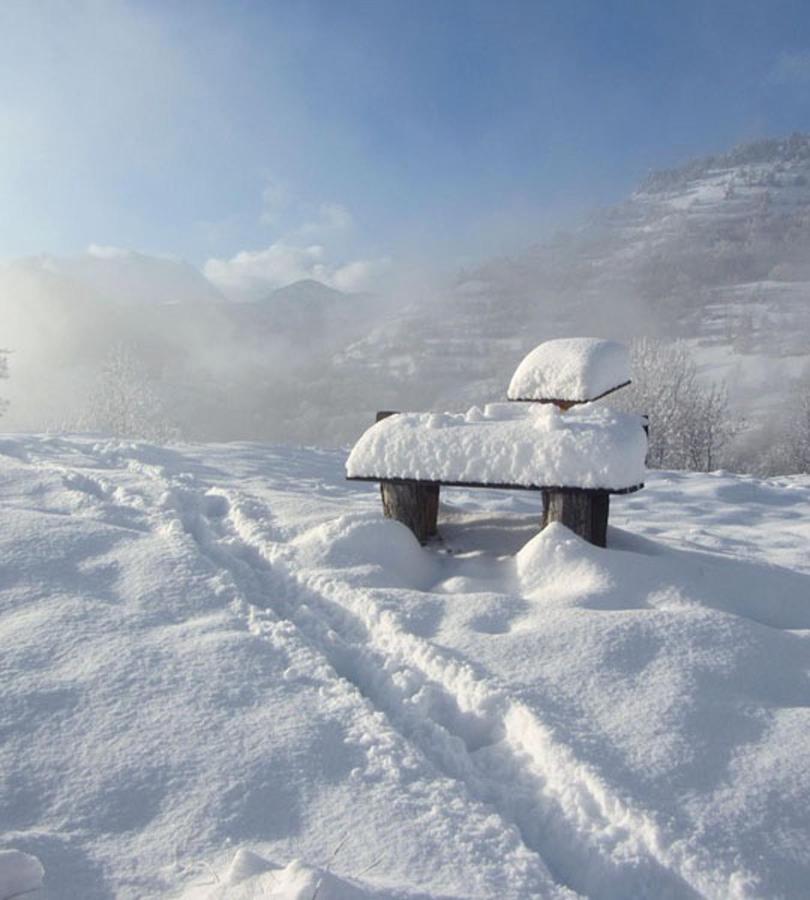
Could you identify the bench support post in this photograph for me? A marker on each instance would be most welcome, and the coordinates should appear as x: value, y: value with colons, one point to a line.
x: 585, y: 513
x: 415, y: 505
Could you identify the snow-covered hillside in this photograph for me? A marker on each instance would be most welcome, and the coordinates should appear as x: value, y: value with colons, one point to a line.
x: 222, y: 674
x: 714, y: 252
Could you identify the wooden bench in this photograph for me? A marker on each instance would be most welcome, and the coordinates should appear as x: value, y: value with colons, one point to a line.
x: 415, y: 502
x: 592, y: 446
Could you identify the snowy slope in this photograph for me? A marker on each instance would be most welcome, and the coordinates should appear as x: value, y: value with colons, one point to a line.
x: 714, y: 252
x: 208, y: 648
x: 719, y: 247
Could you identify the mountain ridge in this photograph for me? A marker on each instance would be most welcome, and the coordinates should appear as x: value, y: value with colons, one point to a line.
x: 793, y: 148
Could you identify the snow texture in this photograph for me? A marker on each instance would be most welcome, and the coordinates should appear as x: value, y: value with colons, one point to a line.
x: 507, y: 444
x: 20, y: 873
x: 571, y: 369
x: 250, y: 877
x: 222, y: 674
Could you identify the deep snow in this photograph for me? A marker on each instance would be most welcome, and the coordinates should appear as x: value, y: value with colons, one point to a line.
x: 222, y: 674
x: 571, y: 369
x: 525, y: 444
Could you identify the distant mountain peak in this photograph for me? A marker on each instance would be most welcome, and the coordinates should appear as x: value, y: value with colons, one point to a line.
x: 306, y: 289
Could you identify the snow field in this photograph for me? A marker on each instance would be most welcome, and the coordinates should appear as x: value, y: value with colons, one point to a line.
x: 268, y: 690
x: 562, y: 809
x: 250, y: 877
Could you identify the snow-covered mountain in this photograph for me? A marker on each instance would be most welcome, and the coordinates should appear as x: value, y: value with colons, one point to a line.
x: 720, y: 248
x: 305, y: 312
x: 306, y: 292
x: 226, y: 676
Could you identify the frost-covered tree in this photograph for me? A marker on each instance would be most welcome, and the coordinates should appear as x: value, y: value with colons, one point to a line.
x: 690, y: 423
x: 797, y: 439
x: 125, y: 402
x: 783, y: 444
x: 3, y: 374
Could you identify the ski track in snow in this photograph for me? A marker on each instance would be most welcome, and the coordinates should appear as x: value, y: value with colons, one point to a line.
x: 588, y: 838
x: 591, y: 840
x: 225, y: 527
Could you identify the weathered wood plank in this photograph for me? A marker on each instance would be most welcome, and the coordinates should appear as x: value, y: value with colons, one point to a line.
x: 567, y: 404
x: 599, y: 519
x: 502, y: 486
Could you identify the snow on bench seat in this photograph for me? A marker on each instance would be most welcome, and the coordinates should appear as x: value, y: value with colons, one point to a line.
x: 506, y: 445
x: 571, y: 370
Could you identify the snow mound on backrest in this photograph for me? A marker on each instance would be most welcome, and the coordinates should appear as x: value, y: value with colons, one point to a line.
x: 20, y: 873
x: 251, y: 877
x: 385, y: 552
x: 571, y: 369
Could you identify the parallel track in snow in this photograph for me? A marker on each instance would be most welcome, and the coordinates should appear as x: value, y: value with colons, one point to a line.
x: 588, y: 838
x: 591, y: 840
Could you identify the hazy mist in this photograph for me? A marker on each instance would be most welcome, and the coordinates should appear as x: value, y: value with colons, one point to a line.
x: 710, y: 254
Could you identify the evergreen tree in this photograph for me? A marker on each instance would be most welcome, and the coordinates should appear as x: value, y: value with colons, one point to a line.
x: 3, y: 374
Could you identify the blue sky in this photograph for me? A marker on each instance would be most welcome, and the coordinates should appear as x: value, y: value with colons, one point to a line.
x: 420, y: 130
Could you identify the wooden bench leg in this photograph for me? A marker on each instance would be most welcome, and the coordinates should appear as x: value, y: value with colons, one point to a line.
x: 415, y: 505
x: 600, y: 510
x: 586, y: 514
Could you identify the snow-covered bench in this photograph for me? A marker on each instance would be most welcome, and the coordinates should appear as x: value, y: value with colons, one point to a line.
x: 575, y: 453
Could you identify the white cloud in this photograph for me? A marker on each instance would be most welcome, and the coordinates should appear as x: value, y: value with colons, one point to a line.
x: 100, y: 251
x: 298, y: 254
x: 254, y: 273
x: 360, y: 275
